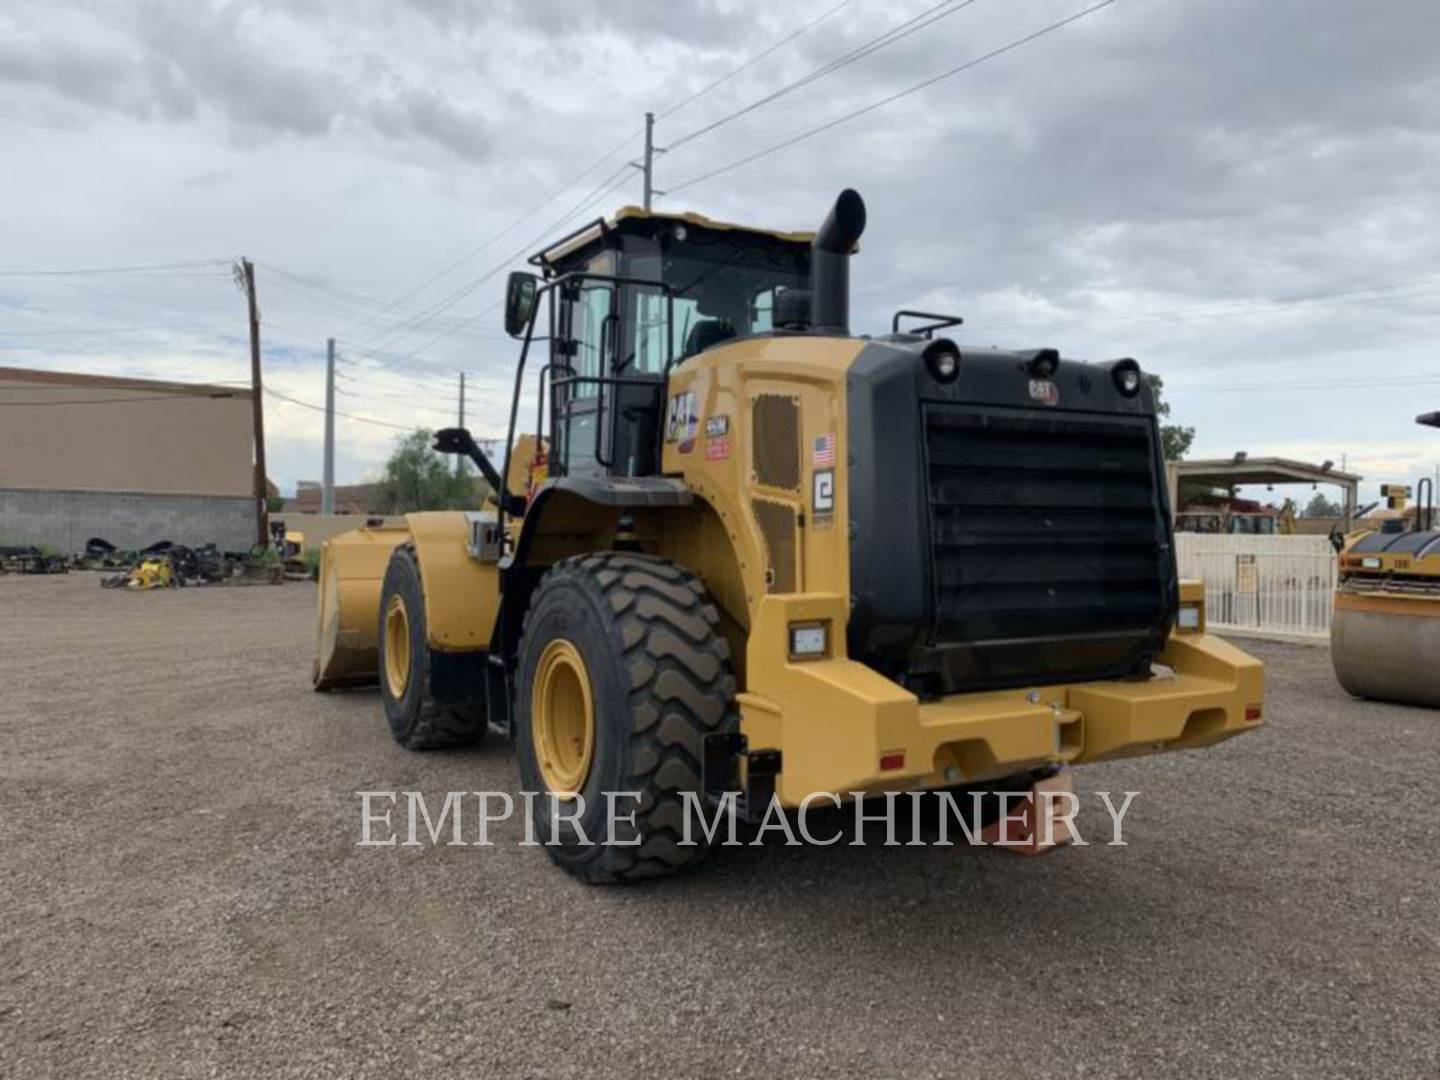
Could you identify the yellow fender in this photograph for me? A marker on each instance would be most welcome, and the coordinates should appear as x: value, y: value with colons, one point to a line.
x: 462, y: 595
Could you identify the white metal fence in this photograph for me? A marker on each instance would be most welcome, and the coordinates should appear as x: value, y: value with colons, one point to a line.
x: 1262, y: 584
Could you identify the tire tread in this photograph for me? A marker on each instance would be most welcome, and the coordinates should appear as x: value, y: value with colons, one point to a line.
x: 682, y: 688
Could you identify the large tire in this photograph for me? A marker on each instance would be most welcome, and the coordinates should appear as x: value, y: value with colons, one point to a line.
x: 658, y: 678
x: 417, y: 721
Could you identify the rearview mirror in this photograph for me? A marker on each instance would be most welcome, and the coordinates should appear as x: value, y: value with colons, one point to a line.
x: 522, y: 291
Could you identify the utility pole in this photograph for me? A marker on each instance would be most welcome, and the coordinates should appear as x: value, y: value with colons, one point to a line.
x: 327, y: 487
x: 649, y: 156
x: 647, y: 166
x: 257, y: 405
x: 460, y: 458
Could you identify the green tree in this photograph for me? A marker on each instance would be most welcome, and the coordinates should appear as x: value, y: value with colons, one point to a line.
x: 418, y: 478
x: 1320, y: 506
x: 1174, y: 439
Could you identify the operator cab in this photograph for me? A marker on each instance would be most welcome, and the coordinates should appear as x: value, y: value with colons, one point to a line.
x: 629, y: 299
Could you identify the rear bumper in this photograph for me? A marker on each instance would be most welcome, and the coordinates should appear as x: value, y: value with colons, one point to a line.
x: 841, y: 727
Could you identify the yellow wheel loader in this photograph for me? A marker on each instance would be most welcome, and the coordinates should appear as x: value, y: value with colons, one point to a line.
x: 1385, y: 630
x: 751, y: 552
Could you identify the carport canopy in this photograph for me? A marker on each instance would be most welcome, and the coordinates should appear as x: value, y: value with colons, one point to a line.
x: 1241, y: 469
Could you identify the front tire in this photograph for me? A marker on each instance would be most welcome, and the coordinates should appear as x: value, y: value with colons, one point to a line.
x: 417, y: 720
x: 623, y: 672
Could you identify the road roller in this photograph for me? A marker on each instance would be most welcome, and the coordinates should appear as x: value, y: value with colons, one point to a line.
x: 748, y: 555
x: 1385, y: 632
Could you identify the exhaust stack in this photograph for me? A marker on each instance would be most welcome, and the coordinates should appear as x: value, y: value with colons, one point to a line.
x: 830, y: 264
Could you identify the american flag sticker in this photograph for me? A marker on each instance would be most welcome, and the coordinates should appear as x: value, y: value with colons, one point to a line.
x: 824, y: 453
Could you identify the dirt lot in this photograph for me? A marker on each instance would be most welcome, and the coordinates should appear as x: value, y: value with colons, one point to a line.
x: 183, y: 895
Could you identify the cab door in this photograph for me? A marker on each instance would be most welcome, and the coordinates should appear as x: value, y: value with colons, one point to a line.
x: 580, y: 357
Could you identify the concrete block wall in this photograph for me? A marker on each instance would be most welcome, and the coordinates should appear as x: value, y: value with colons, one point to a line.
x: 64, y: 520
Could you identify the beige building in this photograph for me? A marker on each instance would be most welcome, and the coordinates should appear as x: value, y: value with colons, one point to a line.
x: 130, y: 460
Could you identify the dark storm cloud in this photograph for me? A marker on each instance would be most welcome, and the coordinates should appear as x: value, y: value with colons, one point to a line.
x: 425, y: 114
x: 698, y: 24
x: 94, y: 75
x: 1204, y: 149
x: 209, y: 52
x: 167, y: 59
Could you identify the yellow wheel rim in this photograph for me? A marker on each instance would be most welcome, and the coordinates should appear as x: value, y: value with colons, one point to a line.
x: 562, y: 718
x: 397, y: 646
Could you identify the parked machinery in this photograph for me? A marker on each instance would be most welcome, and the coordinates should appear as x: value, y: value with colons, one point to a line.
x: 1385, y: 633
x: 770, y: 557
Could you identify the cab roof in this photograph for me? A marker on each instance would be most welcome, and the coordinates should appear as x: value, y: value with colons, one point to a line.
x: 600, y: 227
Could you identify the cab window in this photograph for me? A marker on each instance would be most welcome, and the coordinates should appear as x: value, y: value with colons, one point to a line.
x: 722, y: 289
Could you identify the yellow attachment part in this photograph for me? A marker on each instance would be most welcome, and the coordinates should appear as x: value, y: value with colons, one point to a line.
x: 562, y: 717
x: 352, y: 571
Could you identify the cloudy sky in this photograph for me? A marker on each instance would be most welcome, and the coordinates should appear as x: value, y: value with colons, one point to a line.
x: 1243, y: 195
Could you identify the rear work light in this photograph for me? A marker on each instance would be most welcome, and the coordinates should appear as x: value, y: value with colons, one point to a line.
x: 1189, y: 617
x: 1127, y: 377
x: 942, y: 359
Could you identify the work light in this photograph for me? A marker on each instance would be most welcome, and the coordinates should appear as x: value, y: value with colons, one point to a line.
x: 1126, y: 374
x: 942, y: 360
x: 1043, y: 364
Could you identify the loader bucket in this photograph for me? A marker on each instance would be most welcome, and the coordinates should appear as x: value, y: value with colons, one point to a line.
x: 352, y: 570
x: 1384, y: 647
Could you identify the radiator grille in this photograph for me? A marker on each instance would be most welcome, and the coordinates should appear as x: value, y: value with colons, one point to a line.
x: 776, y: 428
x: 1041, y: 524
x: 777, y: 526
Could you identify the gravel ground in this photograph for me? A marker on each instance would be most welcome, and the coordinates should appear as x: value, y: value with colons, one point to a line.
x: 183, y: 895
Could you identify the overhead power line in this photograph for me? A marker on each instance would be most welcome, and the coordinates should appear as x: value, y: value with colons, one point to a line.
x: 348, y: 416
x: 83, y: 332
x: 175, y: 267
x: 603, y: 187
x: 786, y: 40
x: 390, y: 399
x: 497, y: 236
x: 890, y: 37
x: 341, y: 300
x: 1333, y: 384
x: 891, y: 98
x: 610, y: 183
x: 615, y: 181
x: 1368, y: 295
x: 114, y: 401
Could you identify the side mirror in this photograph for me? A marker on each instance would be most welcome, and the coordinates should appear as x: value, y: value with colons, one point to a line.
x: 522, y: 291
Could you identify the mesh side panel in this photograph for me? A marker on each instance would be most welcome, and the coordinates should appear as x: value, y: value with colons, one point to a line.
x: 776, y: 427
x: 777, y: 526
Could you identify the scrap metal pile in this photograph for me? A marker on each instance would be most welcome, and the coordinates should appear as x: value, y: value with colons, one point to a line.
x: 28, y: 559
x: 167, y: 565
